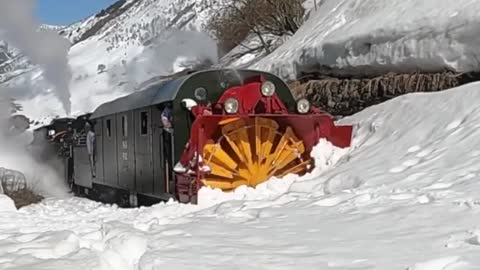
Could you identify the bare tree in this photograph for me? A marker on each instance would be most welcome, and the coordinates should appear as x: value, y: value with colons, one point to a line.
x: 278, y: 17
x: 229, y: 28
x: 235, y: 20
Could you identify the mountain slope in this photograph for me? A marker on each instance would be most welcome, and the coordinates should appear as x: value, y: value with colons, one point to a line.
x: 112, y: 52
x: 134, y: 40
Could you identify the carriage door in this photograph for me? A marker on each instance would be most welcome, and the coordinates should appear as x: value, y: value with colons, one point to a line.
x: 167, y: 151
x: 143, y: 152
x: 125, y: 150
x: 162, y: 145
x: 109, y: 152
x: 157, y: 153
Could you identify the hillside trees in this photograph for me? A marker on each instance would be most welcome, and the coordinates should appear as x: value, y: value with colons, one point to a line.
x: 234, y: 21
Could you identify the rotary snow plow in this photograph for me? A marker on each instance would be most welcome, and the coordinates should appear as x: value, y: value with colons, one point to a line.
x: 217, y: 128
x: 251, y: 134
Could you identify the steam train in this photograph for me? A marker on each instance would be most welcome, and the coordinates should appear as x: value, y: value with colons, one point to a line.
x: 228, y: 128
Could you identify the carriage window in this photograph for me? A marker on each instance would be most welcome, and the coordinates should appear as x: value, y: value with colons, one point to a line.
x: 143, y: 123
x: 109, y: 128
x: 124, y: 126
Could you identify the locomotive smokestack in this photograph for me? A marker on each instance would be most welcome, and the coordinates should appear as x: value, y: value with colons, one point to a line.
x: 46, y: 48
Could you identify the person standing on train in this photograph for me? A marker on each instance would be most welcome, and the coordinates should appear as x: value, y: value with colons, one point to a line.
x: 167, y: 118
x: 91, y: 148
x: 188, y: 158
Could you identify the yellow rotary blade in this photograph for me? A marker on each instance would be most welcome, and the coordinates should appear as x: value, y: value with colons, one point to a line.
x: 251, y: 151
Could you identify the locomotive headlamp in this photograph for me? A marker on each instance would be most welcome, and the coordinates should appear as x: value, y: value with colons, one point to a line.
x: 268, y: 89
x: 231, y: 105
x: 200, y: 94
x: 303, y: 106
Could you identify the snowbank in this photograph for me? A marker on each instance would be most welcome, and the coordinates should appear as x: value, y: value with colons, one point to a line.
x: 6, y: 204
x: 407, y: 190
x: 378, y: 35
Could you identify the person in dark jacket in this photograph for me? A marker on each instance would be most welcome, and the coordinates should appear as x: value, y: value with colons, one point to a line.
x: 167, y: 118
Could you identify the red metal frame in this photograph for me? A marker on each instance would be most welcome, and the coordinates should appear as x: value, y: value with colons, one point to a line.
x: 309, y: 127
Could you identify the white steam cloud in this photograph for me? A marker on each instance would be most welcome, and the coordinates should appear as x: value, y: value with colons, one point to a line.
x: 45, y: 48
x: 42, y: 177
x: 48, y: 50
x: 172, y: 52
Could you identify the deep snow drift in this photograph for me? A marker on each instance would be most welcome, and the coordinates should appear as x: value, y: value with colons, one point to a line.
x: 404, y: 196
x: 399, y: 35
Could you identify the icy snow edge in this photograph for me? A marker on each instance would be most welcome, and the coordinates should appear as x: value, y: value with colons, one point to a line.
x: 378, y: 35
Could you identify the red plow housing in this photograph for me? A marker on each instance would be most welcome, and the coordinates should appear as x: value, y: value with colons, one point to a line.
x: 248, y: 147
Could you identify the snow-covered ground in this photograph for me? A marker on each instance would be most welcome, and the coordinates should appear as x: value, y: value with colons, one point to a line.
x: 399, y: 35
x: 404, y: 196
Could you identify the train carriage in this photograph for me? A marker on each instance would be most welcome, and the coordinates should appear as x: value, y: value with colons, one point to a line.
x: 229, y: 128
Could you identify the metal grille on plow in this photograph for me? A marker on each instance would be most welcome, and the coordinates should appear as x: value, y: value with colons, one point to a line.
x: 11, y: 180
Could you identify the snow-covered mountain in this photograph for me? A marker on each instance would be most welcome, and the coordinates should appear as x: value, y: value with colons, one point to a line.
x: 112, y: 52
x: 134, y: 40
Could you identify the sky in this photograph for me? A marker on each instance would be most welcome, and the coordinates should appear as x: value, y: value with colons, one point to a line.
x: 64, y: 12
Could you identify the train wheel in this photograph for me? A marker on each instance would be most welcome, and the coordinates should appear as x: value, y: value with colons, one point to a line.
x: 251, y: 151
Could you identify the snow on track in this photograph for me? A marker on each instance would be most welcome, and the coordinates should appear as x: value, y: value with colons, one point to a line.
x: 405, y: 196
